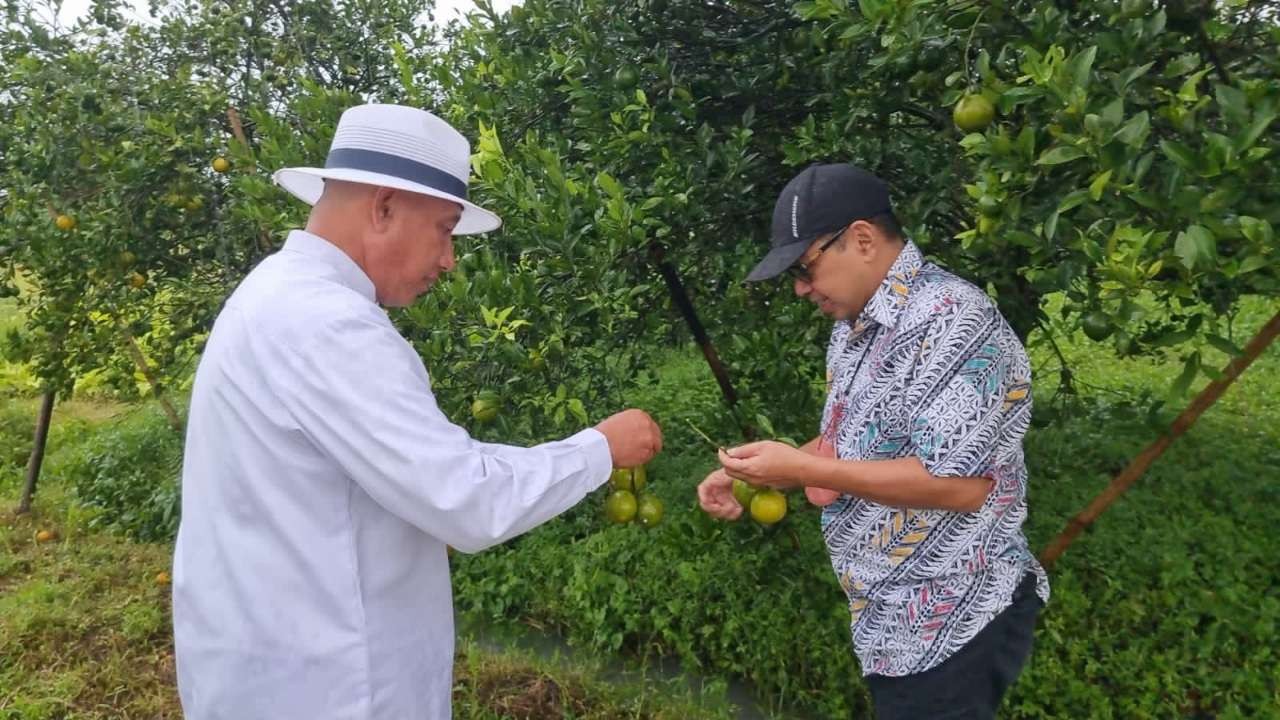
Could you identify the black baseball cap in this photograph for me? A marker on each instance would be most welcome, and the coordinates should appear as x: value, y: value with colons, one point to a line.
x: 820, y: 200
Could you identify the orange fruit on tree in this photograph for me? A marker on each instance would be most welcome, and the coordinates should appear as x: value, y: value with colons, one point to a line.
x: 620, y: 507
x: 486, y: 406
x: 137, y: 280
x: 626, y: 77
x: 46, y: 536
x: 973, y: 113
x: 1097, y: 325
x: 65, y: 222
x: 162, y: 578
x: 768, y: 506
x: 221, y: 165
x: 743, y: 492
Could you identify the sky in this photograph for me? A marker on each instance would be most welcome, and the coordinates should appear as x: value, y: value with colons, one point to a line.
x: 445, y: 9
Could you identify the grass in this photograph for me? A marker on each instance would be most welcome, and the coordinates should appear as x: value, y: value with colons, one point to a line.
x: 85, y: 633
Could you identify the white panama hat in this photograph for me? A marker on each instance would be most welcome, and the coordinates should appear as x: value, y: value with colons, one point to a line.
x: 398, y: 147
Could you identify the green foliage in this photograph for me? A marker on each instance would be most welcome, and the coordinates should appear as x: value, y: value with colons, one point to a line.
x: 16, y: 429
x: 130, y: 473
x: 1164, y: 609
x: 116, y: 126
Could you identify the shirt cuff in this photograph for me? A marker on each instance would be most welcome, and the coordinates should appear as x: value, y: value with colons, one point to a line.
x: 599, y: 460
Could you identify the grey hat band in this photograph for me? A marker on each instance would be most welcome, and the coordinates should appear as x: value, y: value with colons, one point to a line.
x: 396, y: 166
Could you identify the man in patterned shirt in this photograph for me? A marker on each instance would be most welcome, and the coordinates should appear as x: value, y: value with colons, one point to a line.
x: 918, y: 464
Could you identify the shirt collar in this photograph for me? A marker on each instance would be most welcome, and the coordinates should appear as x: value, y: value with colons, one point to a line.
x: 317, y: 248
x: 885, y: 306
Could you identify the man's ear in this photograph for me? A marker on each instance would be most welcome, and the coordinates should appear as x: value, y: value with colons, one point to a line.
x: 864, y: 237
x: 382, y: 208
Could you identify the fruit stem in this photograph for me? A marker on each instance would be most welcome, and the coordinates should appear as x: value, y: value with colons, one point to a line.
x: 713, y: 443
x: 968, y: 73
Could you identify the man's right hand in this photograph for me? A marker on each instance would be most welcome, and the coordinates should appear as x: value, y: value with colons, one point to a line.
x: 634, y: 438
x: 715, y: 495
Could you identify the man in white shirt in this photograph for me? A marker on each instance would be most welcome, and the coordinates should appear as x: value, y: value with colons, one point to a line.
x: 321, y: 482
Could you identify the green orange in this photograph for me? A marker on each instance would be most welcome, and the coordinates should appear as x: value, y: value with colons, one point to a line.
x: 632, y: 479
x: 649, y: 510
x: 973, y: 113
x: 620, y: 507
x: 486, y: 406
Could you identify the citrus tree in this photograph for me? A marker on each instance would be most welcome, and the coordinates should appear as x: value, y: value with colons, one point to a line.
x: 1114, y: 154
x: 135, y: 163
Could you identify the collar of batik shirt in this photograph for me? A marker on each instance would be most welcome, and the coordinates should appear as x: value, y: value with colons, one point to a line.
x: 885, y: 306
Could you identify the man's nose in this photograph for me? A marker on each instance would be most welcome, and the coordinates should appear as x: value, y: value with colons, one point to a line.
x: 447, y: 261
x: 802, y: 287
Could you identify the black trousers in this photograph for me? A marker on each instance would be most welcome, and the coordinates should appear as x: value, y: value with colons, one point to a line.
x: 970, y: 684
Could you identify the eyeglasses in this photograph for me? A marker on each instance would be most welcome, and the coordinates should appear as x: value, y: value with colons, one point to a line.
x: 802, y: 269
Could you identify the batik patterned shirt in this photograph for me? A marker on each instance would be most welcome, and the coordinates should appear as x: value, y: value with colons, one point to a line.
x: 929, y: 368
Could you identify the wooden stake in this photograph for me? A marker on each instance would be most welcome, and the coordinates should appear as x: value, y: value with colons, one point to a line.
x: 1139, y: 464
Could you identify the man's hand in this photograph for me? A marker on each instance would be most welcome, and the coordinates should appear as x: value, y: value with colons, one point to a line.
x: 768, y: 463
x: 715, y: 495
x: 634, y: 438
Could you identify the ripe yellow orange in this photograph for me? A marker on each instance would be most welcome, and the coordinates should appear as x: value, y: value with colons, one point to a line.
x: 65, y: 222
x: 221, y: 165
x: 46, y: 536
x: 162, y: 578
x: 768, y: 506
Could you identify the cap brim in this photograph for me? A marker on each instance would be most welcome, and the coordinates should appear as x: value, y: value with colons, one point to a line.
x: 777, y: 261
x: 307, y: 184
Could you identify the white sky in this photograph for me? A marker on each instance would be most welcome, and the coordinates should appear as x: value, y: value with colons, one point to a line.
x: 445, y: 9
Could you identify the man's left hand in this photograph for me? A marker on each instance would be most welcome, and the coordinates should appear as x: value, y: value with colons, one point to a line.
x: 769, y: 463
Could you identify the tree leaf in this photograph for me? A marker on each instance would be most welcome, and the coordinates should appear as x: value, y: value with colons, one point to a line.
x: 609, y: 184
x: 1128, y: 76
x: 1233, y: 103
x: 1135, y: 131
x: 1256, y: 230
x: 1098, y: 185
x: 1059, y: 155
x: 1082, y: 66
x: 1196, y: 247
x: 1190, y: 369
x: 1261, y: 120
x: 1253, y: 262
x: 1224, y: 345
x: 1179, y: 153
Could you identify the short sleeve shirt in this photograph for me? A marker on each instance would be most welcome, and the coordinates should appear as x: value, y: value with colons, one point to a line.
x: 929, y: 368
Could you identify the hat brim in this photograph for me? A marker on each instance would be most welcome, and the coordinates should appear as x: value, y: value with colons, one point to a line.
x: 777, y: 261
x: 307, y: 184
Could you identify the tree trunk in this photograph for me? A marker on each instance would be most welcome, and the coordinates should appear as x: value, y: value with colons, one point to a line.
x: 1139, y: 464
x: 682, y: 301
x: 141, y: 361
x: 37, y: 452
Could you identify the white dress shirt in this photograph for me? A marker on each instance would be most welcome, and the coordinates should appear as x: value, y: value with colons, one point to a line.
x: 320, y: 485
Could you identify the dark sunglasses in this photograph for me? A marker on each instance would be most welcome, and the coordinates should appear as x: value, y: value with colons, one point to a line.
x: 802, y: 269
